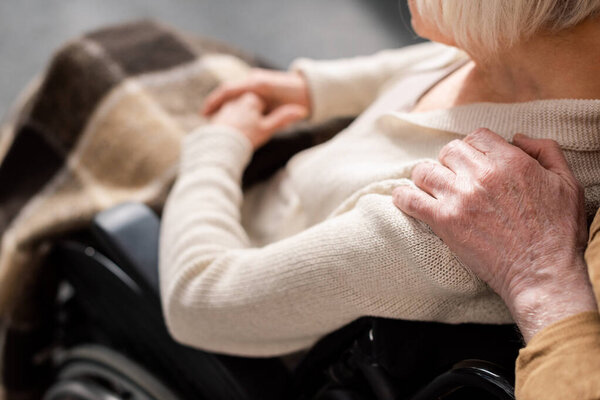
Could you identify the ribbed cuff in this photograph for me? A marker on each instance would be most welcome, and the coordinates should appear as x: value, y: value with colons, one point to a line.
x: 216, y: 145
x: 324, y: 94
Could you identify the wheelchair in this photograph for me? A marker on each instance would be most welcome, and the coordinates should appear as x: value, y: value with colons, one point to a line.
x: 114, y: 343
x: 110, y: 341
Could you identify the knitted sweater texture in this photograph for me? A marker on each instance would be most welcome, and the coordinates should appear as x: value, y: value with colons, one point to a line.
x: 272, y: 270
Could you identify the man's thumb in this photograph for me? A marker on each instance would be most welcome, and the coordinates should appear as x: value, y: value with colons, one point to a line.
x: 547, y: 152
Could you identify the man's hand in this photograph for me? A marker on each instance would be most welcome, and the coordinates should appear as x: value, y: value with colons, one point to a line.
x: 275, y: 88
x: 247, y: 115
x: 515, y: 216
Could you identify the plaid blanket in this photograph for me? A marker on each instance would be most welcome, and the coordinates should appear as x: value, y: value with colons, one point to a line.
x: 100, y: 127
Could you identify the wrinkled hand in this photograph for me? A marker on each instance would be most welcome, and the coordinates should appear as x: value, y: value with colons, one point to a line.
x: 515, y: 216
x: 247, y: 115
x: 275, y: 88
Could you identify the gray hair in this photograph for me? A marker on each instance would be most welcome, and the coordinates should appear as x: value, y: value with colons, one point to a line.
x: 484, y: 27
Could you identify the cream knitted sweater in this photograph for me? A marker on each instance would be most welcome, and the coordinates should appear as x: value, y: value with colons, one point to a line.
x: 272, y: 270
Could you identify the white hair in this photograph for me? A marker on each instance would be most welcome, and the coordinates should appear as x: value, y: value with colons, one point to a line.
x: 484, y: 27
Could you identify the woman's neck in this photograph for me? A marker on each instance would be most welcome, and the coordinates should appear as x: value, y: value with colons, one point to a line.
x: 563, y: 66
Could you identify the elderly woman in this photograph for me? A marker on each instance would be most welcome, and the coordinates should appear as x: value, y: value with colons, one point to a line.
x: 320, y: 244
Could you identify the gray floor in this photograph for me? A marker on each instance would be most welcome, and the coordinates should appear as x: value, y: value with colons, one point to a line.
x: 278, y: 30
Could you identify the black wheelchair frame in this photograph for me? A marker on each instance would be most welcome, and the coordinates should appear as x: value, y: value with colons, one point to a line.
x: 113, y: 343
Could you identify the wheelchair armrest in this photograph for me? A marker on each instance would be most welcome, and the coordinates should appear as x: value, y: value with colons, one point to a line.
x: 476, y: 374
x: 129, y: 234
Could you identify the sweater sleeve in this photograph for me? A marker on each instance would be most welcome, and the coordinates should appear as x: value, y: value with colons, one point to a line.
x: 222, y: 295
x: 563, y: 360
x: 346, y: 87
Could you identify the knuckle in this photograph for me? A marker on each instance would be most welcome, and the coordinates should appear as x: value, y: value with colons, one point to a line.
x: 479, y: 133
x: 406, y: 200
x: 450, y: 150
x: 485, y: 132
x: 421, y: 173
x: 429, y: 176
x: 412, y: 204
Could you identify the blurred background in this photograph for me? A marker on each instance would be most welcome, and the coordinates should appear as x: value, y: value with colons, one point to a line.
x: 276, y: 30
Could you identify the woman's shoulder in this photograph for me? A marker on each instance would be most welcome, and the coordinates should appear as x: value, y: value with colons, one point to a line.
x: 375, y: 199
x: 427, y: 55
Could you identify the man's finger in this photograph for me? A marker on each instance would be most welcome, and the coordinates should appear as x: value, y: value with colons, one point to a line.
x: 222, y: 95
x: 283, y: 116
x: 415, y: 203
x: 459, y: 156
x: 485, y: 140
x: 433, y: 178
x: 547, y: 152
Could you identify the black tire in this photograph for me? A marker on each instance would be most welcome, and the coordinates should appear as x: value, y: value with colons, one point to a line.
x: 93, y: 372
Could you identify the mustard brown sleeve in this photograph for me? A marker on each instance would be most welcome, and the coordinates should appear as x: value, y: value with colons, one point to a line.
x: 563, y: 360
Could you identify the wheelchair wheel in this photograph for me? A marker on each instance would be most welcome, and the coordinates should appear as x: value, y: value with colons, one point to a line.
x: 92, y: 372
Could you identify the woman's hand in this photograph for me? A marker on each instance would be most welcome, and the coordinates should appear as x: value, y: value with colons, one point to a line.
x: 275, y: 88
x: 247, y: 114
x: 515, y: 216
